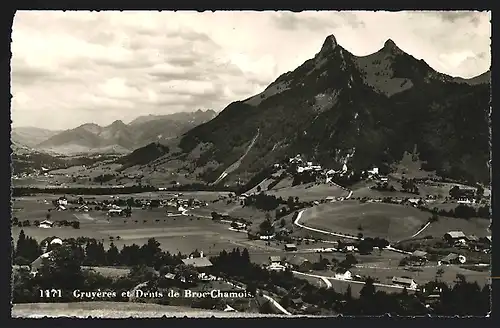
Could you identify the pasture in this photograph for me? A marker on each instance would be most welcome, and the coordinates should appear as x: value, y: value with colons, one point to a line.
x: 371, y: 219
x: 472, y: 226
x: 175, y: 233
x: 423, y: 274
x: 309, y: 192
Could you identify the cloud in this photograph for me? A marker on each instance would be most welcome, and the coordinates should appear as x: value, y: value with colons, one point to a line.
x: 70, y: 68
x: 473, y: 17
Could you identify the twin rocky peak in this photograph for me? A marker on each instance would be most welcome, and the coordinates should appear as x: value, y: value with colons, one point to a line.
x: 331, y: 44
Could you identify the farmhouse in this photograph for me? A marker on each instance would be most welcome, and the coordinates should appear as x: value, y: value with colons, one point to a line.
x: 275, y: 259
x: 343, y: 274
x: 300, y: 264
x: 473, y: 239
x: 290, y: 247
x: 419, y: 256
x: 46, y: 224
x: 276, y: 267
x: 62, y: 201
x: 170, y: 276
x: 453, y: 237
x: 452, y: 258
x: 406, y: 282
x: 373, y: 172
x: 115, y: 212
x: 331, y: 199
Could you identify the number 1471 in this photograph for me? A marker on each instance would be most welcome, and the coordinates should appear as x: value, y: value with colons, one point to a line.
x: 49, y: 293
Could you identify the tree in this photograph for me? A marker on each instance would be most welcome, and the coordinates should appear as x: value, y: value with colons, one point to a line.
x: 61, y: 270
x: 455, y: 192
x: 20, y: 243
x: 439, y: 273
x: 266, y: 228
x: 112, y: 255
x: 479, y: 192
x: 282, y: 222
x: 266, y: 308
x: 368, y: 290
x: 348, y: 293
x: 259, y: 189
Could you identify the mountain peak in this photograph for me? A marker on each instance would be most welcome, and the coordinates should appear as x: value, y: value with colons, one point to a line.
x: 117, y: 123
x: 329, y: 44
x: 391, y: 47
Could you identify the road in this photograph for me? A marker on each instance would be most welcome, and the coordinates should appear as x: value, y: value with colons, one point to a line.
x: 269, y: 298
x: 276, y: 304
x: 325, y: 280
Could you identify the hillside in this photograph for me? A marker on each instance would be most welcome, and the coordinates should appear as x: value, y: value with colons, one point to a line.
x: 121, y: 138
x: 338, y: 107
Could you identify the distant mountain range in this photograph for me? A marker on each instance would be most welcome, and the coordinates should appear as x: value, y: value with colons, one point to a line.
x: 340, y: 108
x: 117, y: 137
x: 31, y: 136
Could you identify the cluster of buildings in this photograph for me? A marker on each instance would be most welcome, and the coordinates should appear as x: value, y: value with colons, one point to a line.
x: 459, y: 239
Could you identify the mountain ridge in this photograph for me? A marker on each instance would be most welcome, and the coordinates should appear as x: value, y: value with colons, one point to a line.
x: 122, y: 138
x: 337, y: 107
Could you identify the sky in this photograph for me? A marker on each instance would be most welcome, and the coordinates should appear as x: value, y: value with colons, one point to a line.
x: 71, y: 68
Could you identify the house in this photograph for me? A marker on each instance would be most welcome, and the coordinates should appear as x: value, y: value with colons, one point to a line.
x: 300, y: 264
x: 275, y: 259
x: 419, y: 255
x: 62, y: 201
x: 290, y: 247
x: 453, y: 237
x: 330, y: 198
x: 472, y: 239
x: 115, y: 212
x: 384, y: 179
x: 343, y: 274
x: 406, y: 282
x: 373, y: 171
x: 296, y: 302
x: 348, y: 248
x: 198, y: 262
x: 170, y: 276
x: 46, y: 224
x: 452, y: 258
x: 83, y: 208
x: 414, y: 201
x: 276, y: 267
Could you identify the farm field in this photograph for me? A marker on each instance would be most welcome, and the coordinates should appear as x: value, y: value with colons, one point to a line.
x: 309, y: 192
x: 472, y: 226
x: 376, y: 219
x: 385, y: 273
x: 175, y: 234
